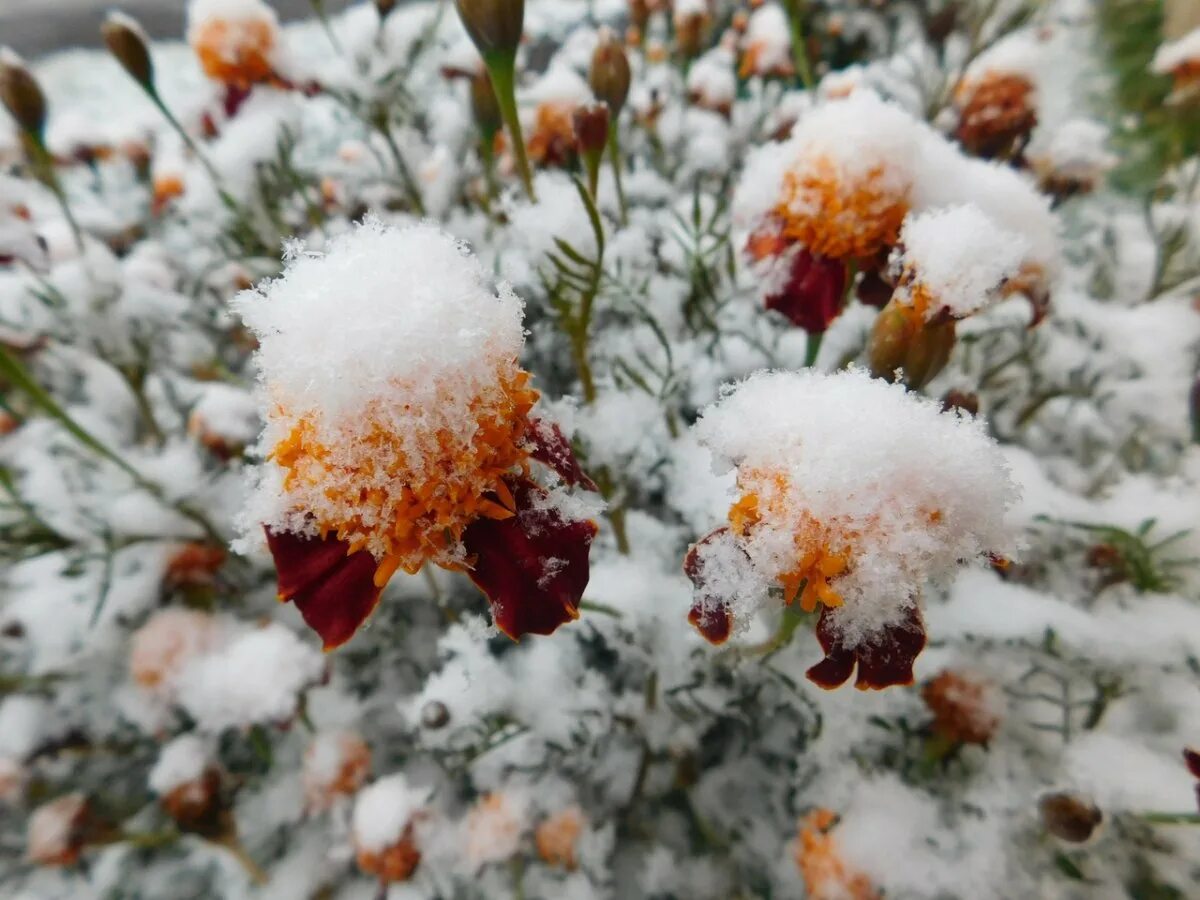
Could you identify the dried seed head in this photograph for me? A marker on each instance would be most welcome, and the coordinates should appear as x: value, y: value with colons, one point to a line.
x: 21, y: 94
x: 494, y: 26
x: 609, y: 75
x: 1069, y: 817
x: 127, y: 42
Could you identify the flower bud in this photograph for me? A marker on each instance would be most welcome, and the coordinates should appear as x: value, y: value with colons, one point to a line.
x: 434, y: 714
x: 1069, y: 817
x: 484, y: 107
x: 494, y: 26
x: 590, y: 123
x: 384, y: 8
x: 902, y: 341
x: 127, y: 42
x: 196, y: 806
x: 21, y: 94
x: 961, y: 400
x: 609, y: 75
x: 966, y: 708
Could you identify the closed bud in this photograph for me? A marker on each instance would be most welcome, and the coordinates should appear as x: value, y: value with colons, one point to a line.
x: 494, y: 26
x: 484, y: 106
x: 197, y: 806
x: 21, y: 95
x: 127, y: 42
x: 609, y: 75
x: 435, y: 715
x: 590, y: 122
x: 384, y: 8
x: 1069, y: 817
x: 901, y: 341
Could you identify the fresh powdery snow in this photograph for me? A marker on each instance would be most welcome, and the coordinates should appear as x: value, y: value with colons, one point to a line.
x: 796, y: 495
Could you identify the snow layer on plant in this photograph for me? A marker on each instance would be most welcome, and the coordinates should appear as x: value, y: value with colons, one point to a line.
x: 960, y: 256
x: 910, y: 492
x: 768, y: 35
x: 200, y: 11
x: 711, y: 79
x: 180, y: 762
x: 255, y: 678
x: 1172, y: 55
x: 383, y: 810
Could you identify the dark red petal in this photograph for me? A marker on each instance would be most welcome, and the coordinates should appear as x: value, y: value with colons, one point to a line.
x: 333, y: 589
x: 1191, y: 758
x: 887, y: 661
x: 811, y: 297
x: 234, y: 97
x: 710, y: 613
x: 549, y: 446
x: 533, y: 567
x: 838, y: 665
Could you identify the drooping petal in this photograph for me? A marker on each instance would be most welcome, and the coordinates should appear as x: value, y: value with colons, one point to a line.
x: 884, y: 660
x: 549, y: 446
x: 710, y: 614
x: 811, y: 297
x: 333, y: 588
x: 533, y: 566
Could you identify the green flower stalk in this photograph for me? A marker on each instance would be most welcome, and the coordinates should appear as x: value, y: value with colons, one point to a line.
x: 494, y: 26
x: 609, y: 78
x: 591, y: 126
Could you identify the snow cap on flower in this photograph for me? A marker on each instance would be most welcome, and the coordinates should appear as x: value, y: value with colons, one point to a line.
x: 57, y: 831
x: 853, y: 494
x: 827, y: 876
x: 336, y: 764
x: 383, y: 828
x: 767, y: 43
x: 494, y: 828
x: 163, y: 647
x: 236, y: 41
x: 954, y: 261
x: 1180, y: 57
x: 188, y: 783
x: 182, y: 761
x: 967, y: 707
x: 398, y: 433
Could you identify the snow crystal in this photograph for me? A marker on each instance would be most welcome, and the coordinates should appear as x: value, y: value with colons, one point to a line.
x: 180, y: 762
x: 255, y: 678
x: 383, y: 810
x: 961, y: 256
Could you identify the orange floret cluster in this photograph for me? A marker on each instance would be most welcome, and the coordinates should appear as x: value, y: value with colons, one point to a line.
x: 237, y: 53
x: 405, y: 509
x: 826, y: 875
x: 553, y: 139
x: 822, y: 555
x: 837, y: 218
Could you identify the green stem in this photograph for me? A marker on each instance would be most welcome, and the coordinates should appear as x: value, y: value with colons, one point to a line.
x: 406, y: 175
x: 812, y: 348
x: 795, y: 13
x: 502, y: 70
x: 43, y: 165
x: 614, y: 156
x: 1165, y: 818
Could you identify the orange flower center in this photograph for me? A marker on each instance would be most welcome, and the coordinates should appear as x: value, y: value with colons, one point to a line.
x: 235, y: 52
x: 407, y: 495
x: 841, y: 220
x: 821, y: 556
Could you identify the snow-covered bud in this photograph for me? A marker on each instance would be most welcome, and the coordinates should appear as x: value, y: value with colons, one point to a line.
x: 236, y: 44
x: 609, y: 75
x: 188, y: 785
x: 692, y: 23
x: 997, y: 113
x: 384, y: 828
x: 556, y: 838
x: 168, y: 641
x: 22, y: 95
x: 967, y: 709
x: 904, y: 347
x: 484, y: 106
x: 128, y: 43
x: 58, y: 831
x: 336, y: 764
x: 1069, y: 816
x: 494, y: 26
x: 827, y: 876
x: 495, y: 825
x: 434, y: 715
x: 806, y: 522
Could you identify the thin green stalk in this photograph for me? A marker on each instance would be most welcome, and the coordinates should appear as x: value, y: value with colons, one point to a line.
x: 322, y: 17
x: 812, y: 348
x: 1165, y: 818
x: 43, y: 166
x: 795, y: 13
x: 614, y: 156
x: 406, y: 175
x: 502, y: 70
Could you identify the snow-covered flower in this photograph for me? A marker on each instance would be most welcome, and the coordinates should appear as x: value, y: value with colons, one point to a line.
x: 58, y: 831
x: 967, y: 707
x: 188, y: 785
x: 336, y: 764
x: 162, y: 648
x: 1180, y: 59
x: 827, y: 876
x: 852, y: 495
x: 399, y: 432
x: 556, y: 837
x: 384, y: 826
x: 494, y: 828
x: 236, y: 41
x: 767, y: 43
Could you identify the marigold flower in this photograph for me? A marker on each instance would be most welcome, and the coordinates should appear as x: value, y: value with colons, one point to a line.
x: 384, y: 828
x: 58, y: 831
x: 997, y: 113
x: 168, y: 641
x: 194, y: 565
x: 494, y: 828
x: 967, y: 709
x: 236, y: 41
x: 1070, y: 817
x: 1180, y: 59
x: 827, y: 876
x: 767, y: 44
x: 852, y: 494
x: 188, y: 785
x: 557, y: 836
x: 424, y: 453
x: 166, y: 188
x: 336, y: 764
